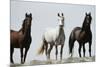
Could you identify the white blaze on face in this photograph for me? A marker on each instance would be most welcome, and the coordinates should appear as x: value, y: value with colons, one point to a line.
x: 87, y: 19
x: 60, y: 20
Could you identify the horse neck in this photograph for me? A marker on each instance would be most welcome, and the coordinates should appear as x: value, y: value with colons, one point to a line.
x: 27, y: 32
x: 87, y: 29
x: 61, y: 30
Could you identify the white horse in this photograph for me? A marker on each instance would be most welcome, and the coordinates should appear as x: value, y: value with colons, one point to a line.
x: 54, y: 37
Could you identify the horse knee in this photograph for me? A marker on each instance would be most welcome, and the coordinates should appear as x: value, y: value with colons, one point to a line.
x: 79, y: 50
x: 11, y: 54
x: 56, y: 53
x: 61, y: 52
x: 89, y: 49
x: 21, y: 55
x: 11, y: 50
x: 90, y: 52
x: 84, y: 50
x: 89, y: 46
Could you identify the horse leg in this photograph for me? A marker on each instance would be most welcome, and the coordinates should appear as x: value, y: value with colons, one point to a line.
x: 79, y: 50
x: 21, y: 51
x: 84, y: 49
x: 61, y: 52
x: 49, y: 51
x: 26, y: 50
x: 46, y: 48
x: 11, y: 54
x: 56, y: 51
x: 90, y: 42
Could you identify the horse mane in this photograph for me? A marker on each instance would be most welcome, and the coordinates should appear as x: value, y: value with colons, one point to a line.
x: 23, y: 26
x: 84, y: 22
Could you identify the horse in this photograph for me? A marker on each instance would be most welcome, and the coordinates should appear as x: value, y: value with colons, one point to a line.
x: 82, y: 35
x: 53, y: 37
x: 21, y: 39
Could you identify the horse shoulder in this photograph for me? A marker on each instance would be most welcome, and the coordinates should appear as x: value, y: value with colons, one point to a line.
x: 77, y: 33
x: 51, y: 34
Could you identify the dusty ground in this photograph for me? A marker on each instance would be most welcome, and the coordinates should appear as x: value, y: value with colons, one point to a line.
x: 68, y: 60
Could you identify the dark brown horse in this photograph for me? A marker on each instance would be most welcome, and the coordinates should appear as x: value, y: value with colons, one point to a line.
x: 22, y: 38
x: 82, y: 35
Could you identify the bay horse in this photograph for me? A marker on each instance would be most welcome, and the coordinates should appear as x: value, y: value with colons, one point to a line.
x: 82, y: 35
x: 54, y: 37
x: 21, y: 39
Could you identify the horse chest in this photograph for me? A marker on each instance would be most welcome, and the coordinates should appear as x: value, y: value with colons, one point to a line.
x: 60, y: 39
x: 27, y: 39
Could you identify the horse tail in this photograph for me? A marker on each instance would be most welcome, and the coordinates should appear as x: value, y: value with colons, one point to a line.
x: 41, y: 50
x: 71, y: 42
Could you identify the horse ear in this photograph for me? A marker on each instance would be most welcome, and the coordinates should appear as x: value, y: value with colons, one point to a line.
x: 86, y: 13
x: 26, y: 14
x: 90, y: 13
x: 58, y: 14
x: 30, y: 14
x: 62, y: 14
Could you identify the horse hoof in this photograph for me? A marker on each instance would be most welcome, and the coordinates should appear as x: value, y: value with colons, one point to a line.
x: 22, y: 62
x: 12, y: 62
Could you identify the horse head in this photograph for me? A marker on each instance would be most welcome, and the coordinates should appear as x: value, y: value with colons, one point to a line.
x: 27, y: 22
x: 87, y: 21
x: 61, y: 19
x: 88, y: 18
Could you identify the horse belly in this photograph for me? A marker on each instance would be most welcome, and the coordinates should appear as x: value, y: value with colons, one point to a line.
x: 82, y: 37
